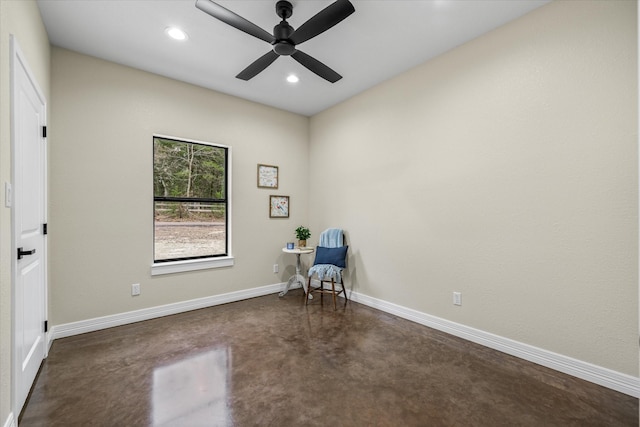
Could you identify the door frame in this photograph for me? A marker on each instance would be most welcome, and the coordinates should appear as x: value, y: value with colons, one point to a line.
x: 18, y: 59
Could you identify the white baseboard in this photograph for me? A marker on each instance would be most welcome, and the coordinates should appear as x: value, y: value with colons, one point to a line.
x: 48, y: 340
x: 98, y: 323
x: 623, y: 383
x: 10, y: 421
x: 617, y: 381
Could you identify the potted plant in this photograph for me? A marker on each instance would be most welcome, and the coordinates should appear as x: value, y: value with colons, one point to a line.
x: 302, y: 233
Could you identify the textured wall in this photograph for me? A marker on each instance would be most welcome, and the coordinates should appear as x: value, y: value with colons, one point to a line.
x: 101, y: 216
x: 505, y: 169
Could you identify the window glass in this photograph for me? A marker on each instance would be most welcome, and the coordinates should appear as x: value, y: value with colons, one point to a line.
x: 190, y: 200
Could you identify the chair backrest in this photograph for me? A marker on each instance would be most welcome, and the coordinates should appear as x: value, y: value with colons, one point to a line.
x: 331, y: 238
x: 331, y: 249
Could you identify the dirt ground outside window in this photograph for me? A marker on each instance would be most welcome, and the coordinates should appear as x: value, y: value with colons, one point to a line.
x: 188, y: 239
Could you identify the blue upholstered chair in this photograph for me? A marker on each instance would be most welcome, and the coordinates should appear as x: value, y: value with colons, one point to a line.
x: 330, y: 261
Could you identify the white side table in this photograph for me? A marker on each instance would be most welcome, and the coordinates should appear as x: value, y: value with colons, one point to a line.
x: 296, y: 278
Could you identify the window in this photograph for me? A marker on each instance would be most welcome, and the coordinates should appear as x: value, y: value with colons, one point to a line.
x: 191, y: 201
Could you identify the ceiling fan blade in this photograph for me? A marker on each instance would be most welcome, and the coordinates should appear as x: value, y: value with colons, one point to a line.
x: 258, y: 65
x: 236, y: 21
x: 316, y: 66
x: 322, y: 21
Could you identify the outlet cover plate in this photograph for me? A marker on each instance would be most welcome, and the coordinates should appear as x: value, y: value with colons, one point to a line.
x: 457, y: 298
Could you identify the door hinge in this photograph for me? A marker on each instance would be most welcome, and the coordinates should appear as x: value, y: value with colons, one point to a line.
x: 46, y: 326
x: 44, y: 131
x: 44, y: 229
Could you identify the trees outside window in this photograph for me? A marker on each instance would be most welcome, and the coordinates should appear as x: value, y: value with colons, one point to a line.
x: 190, y: 200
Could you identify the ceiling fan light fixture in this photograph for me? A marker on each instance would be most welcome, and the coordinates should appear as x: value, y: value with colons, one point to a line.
x: 292, y: 78
x: 176, y: 33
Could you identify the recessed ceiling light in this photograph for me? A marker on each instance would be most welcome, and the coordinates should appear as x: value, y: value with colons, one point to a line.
x: 176, y: 33
x: 292, y: 78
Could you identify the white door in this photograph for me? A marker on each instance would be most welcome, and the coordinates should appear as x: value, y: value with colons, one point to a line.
x: 29, y: 203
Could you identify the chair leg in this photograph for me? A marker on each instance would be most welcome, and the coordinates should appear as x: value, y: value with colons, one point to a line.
x: 322, y: 291
x: 344, y: 291
x: 333, y: 293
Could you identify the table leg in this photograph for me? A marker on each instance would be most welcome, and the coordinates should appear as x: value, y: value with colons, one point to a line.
x: 290, y: 282
x: 297, y: 278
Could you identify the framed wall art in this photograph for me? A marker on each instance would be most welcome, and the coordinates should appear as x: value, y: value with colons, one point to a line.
x: 278, y: 206
x: 267, y: 176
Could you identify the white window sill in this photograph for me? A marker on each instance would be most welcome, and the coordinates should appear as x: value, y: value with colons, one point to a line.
x: 190, y: 265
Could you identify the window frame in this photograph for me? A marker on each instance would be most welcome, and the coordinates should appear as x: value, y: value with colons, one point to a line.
x: 201, y: 262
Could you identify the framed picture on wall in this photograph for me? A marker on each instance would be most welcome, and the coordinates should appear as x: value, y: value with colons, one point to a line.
x: 267, y: 176
x: 278, y: 206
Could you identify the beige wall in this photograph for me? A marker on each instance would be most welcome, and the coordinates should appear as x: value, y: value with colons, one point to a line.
x: 22, y: 19
x: 507, y: 170
x: 101, y: 199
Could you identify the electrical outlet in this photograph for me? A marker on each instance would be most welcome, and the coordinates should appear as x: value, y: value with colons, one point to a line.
x: 457, y: 298
x: 275, y: 268
x: 135, y: 289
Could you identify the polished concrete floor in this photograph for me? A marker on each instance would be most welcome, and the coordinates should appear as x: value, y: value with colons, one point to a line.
x: 272, y: 361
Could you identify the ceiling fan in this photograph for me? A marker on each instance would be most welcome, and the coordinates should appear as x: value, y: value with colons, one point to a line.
x: 284, y: 38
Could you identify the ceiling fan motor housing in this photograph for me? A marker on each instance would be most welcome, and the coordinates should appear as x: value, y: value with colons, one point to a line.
x: 282, y: 44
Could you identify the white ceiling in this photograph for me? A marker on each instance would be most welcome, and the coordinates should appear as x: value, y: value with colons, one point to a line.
x: 380, y: 40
